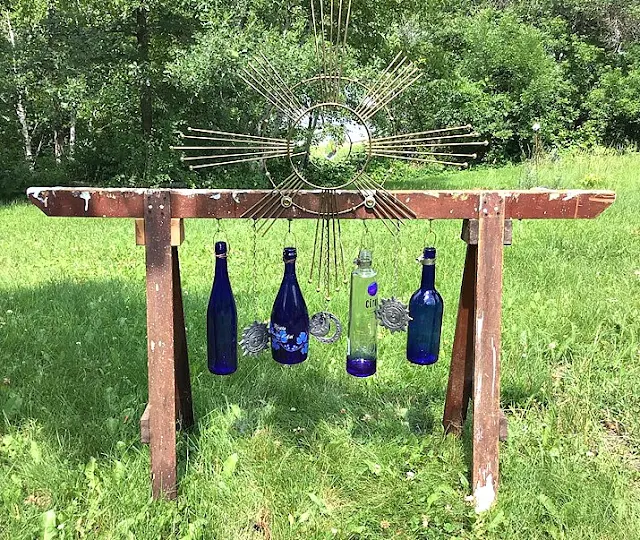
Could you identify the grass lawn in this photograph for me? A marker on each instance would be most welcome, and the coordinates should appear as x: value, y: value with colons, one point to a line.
x: 310, y: 452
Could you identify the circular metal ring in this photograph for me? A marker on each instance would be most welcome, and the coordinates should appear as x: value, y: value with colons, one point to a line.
x: 357, y: 116
x: 286, y: 201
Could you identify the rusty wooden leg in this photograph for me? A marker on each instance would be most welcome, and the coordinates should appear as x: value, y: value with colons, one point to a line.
x: 160, y: 336
x: 486, y: 380
x: 461, y: 369
x: 184, y: 404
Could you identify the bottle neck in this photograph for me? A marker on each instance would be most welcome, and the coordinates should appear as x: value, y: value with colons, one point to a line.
x: 221, y: 268
x: 428, y: 277
x: 290, y: 268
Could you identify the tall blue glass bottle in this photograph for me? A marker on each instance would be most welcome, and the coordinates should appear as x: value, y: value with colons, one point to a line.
x: 425, y: 310
x: 289, y: 327
x: 222, y: 319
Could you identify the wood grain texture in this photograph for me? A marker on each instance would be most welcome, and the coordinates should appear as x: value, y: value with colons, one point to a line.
x: 177, y: 231
x: 160, y: 337
x: 145, y: 435
x: 184, y: 401
x: 201, y: 203
x: 461, y: 369
x: 486, y: 378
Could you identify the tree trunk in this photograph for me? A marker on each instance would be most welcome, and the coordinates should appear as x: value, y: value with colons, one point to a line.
x: 72, y: 133
x: 142, y: 36
x: 21, y: 110
x: 58, y: 145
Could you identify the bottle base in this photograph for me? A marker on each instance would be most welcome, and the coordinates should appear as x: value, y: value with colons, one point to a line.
x: 291, y: 361
x: 426, y: 360
x: 223, y: 370
x: 361, y: 367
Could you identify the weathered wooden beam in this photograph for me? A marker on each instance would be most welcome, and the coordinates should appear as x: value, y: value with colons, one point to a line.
x: 177, y: 232
x: 184, y: 400
x: 461, y: 368
x: 221, y: 203
x: 469, y: 232
x: 161, y: 347
x: 487, y: 334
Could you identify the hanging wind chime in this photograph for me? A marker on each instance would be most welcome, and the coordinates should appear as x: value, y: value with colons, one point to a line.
x: 322, y: 133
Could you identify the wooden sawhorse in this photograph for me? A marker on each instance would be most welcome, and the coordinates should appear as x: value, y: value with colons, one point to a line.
x: 475, y: 365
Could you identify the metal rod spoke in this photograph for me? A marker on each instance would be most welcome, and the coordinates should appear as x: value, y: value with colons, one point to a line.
x: 242, y: 160
x: 233, y: 135
x: 467, y: 127
x: 268, y: 153
x: 464, y: 165
x: 409, y: 141
x: 386, y: 150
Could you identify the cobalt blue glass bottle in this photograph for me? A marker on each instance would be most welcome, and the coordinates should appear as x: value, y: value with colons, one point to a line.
x: 289, y: 327
x: 363, y: 325
x: 425, y: 310
x: 222, y: 319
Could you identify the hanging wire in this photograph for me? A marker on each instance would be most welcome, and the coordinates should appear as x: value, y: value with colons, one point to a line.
x: 365, y: 237
x: 254, y: 265
x: 220, y: 234
x: 431, y: 235
x: 290, y: 239
x: 396, y: 257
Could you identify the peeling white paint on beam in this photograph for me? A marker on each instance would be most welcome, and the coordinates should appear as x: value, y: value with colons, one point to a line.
x: 571, y: 195
x: 86, y: 197
x: 484, y: 495
x: 36, y: 193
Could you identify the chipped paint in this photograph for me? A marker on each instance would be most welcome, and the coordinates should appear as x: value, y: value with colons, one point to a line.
x: 554, y: 196
x: 484, y: 495
x: 215, y: 196
x: 157, y: 287
x: 36, y: 193
x: 571, y: 195
x: 153, y: 346
x: 234, y: 196
x: 86, y: 197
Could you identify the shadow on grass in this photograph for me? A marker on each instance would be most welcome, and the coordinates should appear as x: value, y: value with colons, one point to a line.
x: 75, y: 356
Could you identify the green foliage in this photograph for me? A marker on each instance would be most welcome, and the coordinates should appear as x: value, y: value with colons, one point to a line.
x: 81, y: 67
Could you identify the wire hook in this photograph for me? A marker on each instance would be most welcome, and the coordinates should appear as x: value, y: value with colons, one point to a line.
x: 430, y: 234
x: 365, y: 235
x: 221, y: 232
x: 290, y: 234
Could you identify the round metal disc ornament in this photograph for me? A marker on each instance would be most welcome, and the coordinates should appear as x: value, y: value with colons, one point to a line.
x: 255, y: 338
x: 320, y: 325
x: 393, y: 315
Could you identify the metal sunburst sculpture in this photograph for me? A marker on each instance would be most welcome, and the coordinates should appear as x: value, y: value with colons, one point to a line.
x: 324, y: 132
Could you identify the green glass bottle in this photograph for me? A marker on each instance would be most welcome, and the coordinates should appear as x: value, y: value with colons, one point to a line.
x: 361, y: 342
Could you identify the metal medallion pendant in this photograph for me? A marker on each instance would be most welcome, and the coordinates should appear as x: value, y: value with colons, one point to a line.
x: 320, y: 326
x: 255, y: 338
x: 393, y: 314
